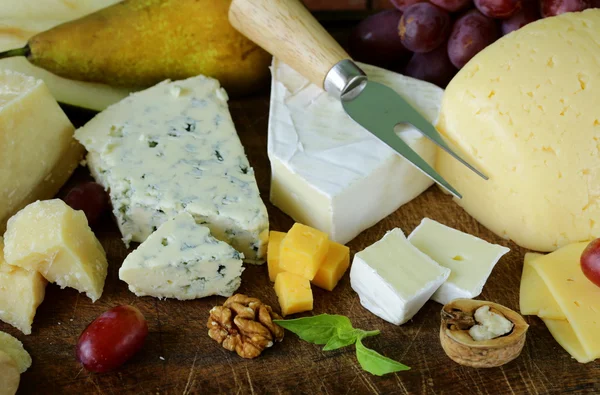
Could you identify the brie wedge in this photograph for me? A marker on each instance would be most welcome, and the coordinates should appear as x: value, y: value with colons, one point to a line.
x: 330, y: 173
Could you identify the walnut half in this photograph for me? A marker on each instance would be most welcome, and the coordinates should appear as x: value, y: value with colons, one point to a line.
x: 244, y: 325
x: 502, y: 345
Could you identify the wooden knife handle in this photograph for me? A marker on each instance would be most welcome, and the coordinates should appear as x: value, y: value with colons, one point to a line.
x: 287, y: 30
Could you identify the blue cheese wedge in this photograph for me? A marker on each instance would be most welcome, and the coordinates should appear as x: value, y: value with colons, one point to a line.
x: 328, y: 172
x: 394, y: 279
x: 182, y: 260
x: 470, y: 259
x: 174, y: 148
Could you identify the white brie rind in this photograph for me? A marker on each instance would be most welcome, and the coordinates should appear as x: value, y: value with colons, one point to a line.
x: 470, y: 259
x: 330, y: 173
x: 394, y: 279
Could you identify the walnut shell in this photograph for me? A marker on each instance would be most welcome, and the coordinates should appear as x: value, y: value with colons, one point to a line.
x: 457, y: 318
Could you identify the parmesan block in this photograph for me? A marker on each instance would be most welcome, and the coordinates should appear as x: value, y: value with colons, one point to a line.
x: 37, y: 149
x: 21, y: 292
x: 14, y: 349
x: 568, y: 302
x: 182, y: 260
x: 55, y: 240
x: 9, y: 375
x: 525, y: 111
x: 328, y: 172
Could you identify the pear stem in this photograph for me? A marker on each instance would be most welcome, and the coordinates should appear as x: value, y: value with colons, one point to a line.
x: 25, y: 51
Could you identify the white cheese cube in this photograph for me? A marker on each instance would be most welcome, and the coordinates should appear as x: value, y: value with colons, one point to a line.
x: 330, y: 173
x: 394, y: 279
x: 174, y: 148
x: 469, y: 258
x: 182, y: 260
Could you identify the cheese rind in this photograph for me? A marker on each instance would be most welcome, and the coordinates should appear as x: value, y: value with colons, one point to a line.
x: 51, y: 238
x: 469, y: 258
x: 182, y: 260
x: 37, y: 150
x: 14, y: 349
x: 524, y: 111
x: 174, y: 148
x: 394, y: 279
x: 21, y: 292
x: 330, y: 173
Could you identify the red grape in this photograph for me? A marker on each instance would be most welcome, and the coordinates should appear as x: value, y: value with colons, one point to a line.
x: 375, y: 40
x: 89, y: 197
x: 527, y: 14
x: 423, y: 27
x: 451, y: 5
x: 404, y: 4
x: 557, y: 7
x: 498, y: 8
x: 434, y: 67
x: 595, y: 3
x: 590, y: 261
x: 111, y: 339
x: 471, y: 33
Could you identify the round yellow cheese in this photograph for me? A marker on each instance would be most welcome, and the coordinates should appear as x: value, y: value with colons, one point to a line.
x: 526, y: 111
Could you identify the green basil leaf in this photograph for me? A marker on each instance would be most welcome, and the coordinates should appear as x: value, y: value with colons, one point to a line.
x: 338, y: 341
x: 318, y: 329
x: 375, y: 363
x: 362, y: 334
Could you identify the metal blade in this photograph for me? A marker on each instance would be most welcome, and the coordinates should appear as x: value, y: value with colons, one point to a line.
x: 377, y: 111
x: 379, y: 100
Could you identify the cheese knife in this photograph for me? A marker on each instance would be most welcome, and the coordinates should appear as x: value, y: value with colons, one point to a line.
x: 287, y: 30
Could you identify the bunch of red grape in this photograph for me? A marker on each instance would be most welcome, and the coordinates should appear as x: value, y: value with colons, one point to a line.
x: 432, y: 39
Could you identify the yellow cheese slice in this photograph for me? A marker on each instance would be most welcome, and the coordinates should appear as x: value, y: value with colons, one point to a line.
x: 14, y: 349
x: 535, y: 298
x: 554, y: 286
x: 564, y: 335
x: 21, y: 292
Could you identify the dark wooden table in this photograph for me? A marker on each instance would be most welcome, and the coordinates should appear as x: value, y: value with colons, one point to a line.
x: 180, y: 358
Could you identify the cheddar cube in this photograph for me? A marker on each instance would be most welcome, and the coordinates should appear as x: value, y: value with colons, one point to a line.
x: 53, y: 239
x: 302, y: 251
x: 273, y: 248
x: 334, y: 266
x: 294, y: 293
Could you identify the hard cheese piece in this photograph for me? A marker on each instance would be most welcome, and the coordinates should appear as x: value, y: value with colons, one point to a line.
x: 394, y: 279
x: 275, y: 239
x: 21, y: 292
x: 333, y: 267
x: 534, y: 297
x: 37, y: 149
x: 55, y: 240
x: 524, y: 111
x: 9, y: 375
x: 14, y: 348
x: 182, y: 260
x: 294, y: 293
x: 174, y: 148
x: 470, y: 259
x: 21, y: 19
x: 303, y: 250
x: 330, y: 173
x: 578, y: 297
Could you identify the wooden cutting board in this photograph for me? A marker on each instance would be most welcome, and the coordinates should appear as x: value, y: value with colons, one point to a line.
x: 180, y: 358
